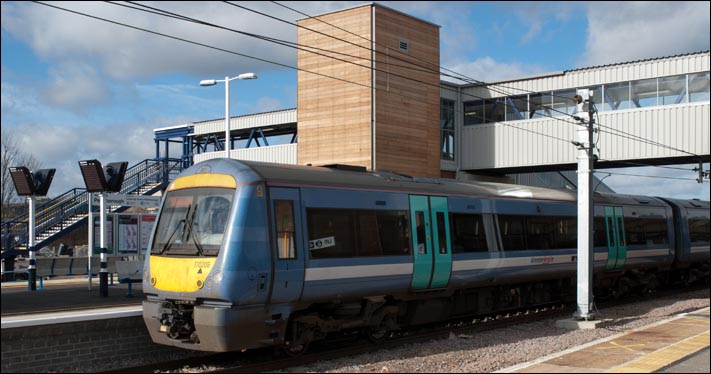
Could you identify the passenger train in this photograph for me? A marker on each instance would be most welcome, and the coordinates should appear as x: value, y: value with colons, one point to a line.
x: 248, y: 254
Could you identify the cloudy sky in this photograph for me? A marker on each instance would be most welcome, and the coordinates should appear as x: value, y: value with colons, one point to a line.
x: 76, y: 88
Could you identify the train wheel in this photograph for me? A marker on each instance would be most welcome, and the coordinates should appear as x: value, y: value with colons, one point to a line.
x: 295, y: 350
x: 382, y: 331
x: 377, y: 334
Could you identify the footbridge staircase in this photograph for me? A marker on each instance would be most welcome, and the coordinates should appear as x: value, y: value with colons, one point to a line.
x: 65, y: 212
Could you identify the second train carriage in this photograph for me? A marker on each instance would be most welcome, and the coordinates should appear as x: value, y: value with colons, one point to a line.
x: 249, y: 254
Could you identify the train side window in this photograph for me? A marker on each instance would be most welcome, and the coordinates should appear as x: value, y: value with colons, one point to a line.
x: 286, y: 241
x: 468, y: 233
x: 394, y: 232
x: 599, y: 237
x: 441, y: 233
x: 699, y: 230
x: 332, y: 233
x: 421, y: 233
x: 513, y: 235
x: 368, y: 238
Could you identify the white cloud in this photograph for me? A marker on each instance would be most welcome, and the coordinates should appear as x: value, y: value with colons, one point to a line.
x: 657, y: 181
x: 62, y: 148
x: 77, y: 87
x: 489, y: 70
x: 59, y: 36
x: 628, y: 31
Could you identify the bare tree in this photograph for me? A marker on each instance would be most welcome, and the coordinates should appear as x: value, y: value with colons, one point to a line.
x: 12, y: 155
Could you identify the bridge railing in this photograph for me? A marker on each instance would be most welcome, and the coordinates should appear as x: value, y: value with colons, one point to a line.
x: 56, y: 213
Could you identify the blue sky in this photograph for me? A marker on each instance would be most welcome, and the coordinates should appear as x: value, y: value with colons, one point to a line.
x: 75, y: 88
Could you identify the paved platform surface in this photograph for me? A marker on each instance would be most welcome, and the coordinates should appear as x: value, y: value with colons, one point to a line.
x: 67, y: 294
x: 680, y: 344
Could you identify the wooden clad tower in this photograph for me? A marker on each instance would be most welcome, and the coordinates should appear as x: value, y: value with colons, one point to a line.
x: 381, y: 109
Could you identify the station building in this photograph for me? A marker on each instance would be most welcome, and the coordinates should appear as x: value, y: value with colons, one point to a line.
x: 370, y: 94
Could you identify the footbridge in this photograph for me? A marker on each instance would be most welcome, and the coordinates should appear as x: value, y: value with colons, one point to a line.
x: 65, y: 212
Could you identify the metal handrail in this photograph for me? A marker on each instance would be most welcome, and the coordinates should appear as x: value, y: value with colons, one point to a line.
x: 56, y: 214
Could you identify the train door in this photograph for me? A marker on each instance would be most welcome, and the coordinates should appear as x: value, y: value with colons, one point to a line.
x: 431, y: 241
x: 616, y: 241
x: 288, y: 274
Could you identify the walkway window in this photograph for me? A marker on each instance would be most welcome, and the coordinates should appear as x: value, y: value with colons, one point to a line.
x: 516, y: 108
x: 473, y: 112
x: 617, y: 96
x: 698, y: 87
x: 540, y: 104
x: 644, y: 93
x: 672, y: 90
x: 563, y: 102
x: 446, y: 120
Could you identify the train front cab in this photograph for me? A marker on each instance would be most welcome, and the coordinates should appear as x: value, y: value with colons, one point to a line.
x: 208, y: 273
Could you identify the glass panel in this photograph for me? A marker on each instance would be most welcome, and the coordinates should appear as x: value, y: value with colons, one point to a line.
x: 495, y: 110
x: 644, y: 93
x: 421, y: 233
x: 617, y: 96
x: 672, y: 90
x: 368, y: 238
x: 698, y: 87
x: 468, y: 233
x: 622, y: 242
x: 512, y: 233
x: 599, y: 237
x: 474, y: 112
x: 284, y: 222
x: 193, y: 221
x: 563, y: 102
x: 611, y: 231
x: 655, y: 231
x: 540, y: 105
x: 441, y: 233
x: 516, y: 108
x: 331, y: 233
x: 394, y: 232
x: 699, y: 230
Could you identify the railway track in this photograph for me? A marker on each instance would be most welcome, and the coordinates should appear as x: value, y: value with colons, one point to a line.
x: 269, y: 359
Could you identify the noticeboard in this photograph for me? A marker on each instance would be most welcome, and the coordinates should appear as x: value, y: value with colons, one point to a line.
x: 147, y: 223
x: 109, y: 234
x: 127, y: 233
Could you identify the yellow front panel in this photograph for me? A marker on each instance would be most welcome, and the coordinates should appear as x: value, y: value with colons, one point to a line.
x: 203, y: 180
x: 180, y: 274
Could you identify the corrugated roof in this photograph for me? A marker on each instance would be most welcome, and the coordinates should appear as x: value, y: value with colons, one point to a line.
x: 637, y: 61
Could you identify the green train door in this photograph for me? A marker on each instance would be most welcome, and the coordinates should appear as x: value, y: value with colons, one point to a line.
x: 616, y: 241
x: 431, y: 241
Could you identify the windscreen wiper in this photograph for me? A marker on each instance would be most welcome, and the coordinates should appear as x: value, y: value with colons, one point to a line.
x: 189, y: 227
x: 169, y: 242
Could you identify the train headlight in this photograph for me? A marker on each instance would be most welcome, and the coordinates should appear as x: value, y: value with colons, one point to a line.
x: 213, y: 279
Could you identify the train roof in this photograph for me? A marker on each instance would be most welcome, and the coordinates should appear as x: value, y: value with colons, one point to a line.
x: 338, y: 177
x: 317, y: 176
x: 691, y: 204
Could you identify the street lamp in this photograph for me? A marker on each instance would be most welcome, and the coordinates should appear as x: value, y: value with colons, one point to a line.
x: 212, y: 82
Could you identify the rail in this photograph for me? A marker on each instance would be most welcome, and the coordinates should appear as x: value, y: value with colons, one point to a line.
x: 56, y: 216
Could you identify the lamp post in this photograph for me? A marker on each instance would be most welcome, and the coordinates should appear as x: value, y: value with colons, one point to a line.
x: 31, y: 184
x: 212, y: 82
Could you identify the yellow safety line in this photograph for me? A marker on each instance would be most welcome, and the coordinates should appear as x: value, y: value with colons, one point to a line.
x: 665, y: 356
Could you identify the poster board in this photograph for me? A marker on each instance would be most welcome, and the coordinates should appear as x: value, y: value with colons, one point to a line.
x: 147, y: 223
x: 128, y: 233
x: 109, y: 234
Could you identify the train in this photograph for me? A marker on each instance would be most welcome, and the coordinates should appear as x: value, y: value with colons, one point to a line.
x: 248, y: 254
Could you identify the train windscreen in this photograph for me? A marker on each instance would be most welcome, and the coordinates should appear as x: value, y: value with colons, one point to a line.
x: 193, y: 222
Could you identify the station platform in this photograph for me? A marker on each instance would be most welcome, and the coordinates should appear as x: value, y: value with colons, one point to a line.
x: 679, y: 344
x: 64, y: 295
